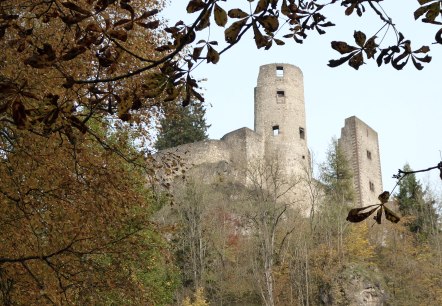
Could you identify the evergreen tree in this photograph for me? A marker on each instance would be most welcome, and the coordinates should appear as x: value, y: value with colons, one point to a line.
x: 337, y: 175
x: 183, y: 125
x: 412, y: 202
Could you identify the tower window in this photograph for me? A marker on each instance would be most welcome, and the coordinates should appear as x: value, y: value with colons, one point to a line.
x: 368, y: 154
x: 371, y: 186
x: 275, y: 130
x: 301, y: 133
x: 279, y: 71
x: 280, y: 93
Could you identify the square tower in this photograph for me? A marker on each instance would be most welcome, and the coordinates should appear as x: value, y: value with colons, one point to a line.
x: 360, y: 145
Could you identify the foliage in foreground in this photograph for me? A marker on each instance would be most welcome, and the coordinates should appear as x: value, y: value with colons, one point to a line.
x: 65, y: 62
x: 75, y: 227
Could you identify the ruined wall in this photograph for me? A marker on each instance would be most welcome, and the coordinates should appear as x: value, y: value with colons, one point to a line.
x: 281, y: 135
x: 360, y: 144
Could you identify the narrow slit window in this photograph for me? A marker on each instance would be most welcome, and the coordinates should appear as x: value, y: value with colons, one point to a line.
x: 280, y: 93
x: 371, y: 186
x: 368, y: 154
x: 275, y: 130
x: 301, y: 133
x: 279, y: 71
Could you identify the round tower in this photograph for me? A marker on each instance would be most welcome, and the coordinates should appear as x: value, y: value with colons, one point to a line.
x: 280, y: 116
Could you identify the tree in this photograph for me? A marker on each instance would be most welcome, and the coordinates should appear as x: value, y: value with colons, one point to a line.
x: 270, y: 203
x: 337, y: 179
x: 187, y: 125
x: 412, y: 203
x: 106, y: 58
x: 336, y: 175
x: 76, y: 227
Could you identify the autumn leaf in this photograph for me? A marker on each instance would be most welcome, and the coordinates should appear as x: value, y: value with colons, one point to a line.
x: 220, y: 16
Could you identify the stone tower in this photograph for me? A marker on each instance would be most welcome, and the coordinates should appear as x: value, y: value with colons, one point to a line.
x: 360, y: 144
x: 280, y: 116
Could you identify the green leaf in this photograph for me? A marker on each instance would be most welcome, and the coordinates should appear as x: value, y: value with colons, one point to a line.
x: 237, y: 13
x: 220, y: 16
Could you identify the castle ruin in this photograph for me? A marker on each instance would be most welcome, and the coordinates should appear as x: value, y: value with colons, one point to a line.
x: 280, y: 133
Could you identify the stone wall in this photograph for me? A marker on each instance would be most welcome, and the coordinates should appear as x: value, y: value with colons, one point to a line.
x: 360, y: 144
x: 281, y: 135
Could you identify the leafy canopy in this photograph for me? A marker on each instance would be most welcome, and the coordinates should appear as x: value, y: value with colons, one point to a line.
x: 117, y: 58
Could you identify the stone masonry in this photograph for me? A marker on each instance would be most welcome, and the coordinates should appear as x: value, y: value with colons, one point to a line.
x: 280, y: 133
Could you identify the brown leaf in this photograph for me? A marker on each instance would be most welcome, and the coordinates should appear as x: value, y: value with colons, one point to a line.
x: 212, y: 55
x: 237, y: 13
x: 261, y: 6
x: 149, y: 25
x: 378, y: 216
x: 148, y: 14
x: 336, y: 63
x: 259, y: 38
x: 359, y: 38
x: 370, y: 47
x: 270, y: 23
x: 194, y: 6
x: 220, y: 16
x: 358, y: 214
x: 232, y: 32
x: 118, y: 34
x: 205, y: 21
x: 74, y: 7
x: 73, y: 53
x: 384, y: 197
x: 391, y: 216
x: 342, y: 47
x: 19, y: 114
x: 356, y: 61
x: 197, y: 52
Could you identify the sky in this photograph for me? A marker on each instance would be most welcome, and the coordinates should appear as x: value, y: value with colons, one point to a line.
x: 404, y: 107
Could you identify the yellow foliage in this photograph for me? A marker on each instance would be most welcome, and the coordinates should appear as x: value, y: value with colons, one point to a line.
x: 198, y: 299
x: 357, y: 244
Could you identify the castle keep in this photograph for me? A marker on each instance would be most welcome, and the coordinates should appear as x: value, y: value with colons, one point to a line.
x: 280, y: 133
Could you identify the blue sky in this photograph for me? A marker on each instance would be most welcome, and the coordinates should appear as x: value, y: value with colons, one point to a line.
x: 404, y: 107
